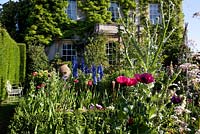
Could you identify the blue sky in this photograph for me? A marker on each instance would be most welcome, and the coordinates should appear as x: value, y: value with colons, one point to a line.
x: 189, y: 7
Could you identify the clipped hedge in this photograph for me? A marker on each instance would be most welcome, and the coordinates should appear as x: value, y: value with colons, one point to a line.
x: 22, y: 74
x: 9, y: 61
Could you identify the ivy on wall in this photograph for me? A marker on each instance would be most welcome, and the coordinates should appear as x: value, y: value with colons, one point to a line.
x: 96, y: 12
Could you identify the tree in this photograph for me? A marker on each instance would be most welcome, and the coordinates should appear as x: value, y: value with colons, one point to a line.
x: 8, y: 17
x: 95, y: 51
x: 45, y: 21
x: 35, y: 20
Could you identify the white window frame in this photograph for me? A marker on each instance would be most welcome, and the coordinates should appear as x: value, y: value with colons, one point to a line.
x: 68, y: 52
x: 72, y: 9
x: 111, y: 53
x: 114, y: 9
x: 154, y: 13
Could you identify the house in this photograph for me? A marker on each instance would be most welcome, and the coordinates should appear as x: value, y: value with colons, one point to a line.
x: 140, y: 9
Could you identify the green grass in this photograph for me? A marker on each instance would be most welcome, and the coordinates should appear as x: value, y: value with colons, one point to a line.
x: 7, y: 110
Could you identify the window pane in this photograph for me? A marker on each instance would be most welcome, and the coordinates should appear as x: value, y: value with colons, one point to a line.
x: 64, y: 52
x: 114, y: 10
x: 69, y: 46
x: 69, y: 51
x: 64, y: 46
x: 154, y: 13
x: 72, y: 9
x: 111, y: 53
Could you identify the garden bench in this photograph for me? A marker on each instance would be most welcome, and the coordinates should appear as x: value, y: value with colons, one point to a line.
x: 13, y: 90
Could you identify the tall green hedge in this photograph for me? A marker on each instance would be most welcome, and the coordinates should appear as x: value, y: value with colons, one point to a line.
x: 10, y: 67
x: 22, y: 74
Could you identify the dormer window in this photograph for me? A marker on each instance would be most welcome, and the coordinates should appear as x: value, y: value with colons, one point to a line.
x: 114, y: 9
x: 72, y: 9
x: 154, y: 13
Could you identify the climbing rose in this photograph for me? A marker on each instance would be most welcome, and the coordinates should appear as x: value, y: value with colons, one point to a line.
x: 146, y: 78
x: 131, y: 81
x: 121, y: 79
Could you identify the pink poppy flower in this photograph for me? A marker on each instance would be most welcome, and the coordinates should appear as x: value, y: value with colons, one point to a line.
x: 137, y: 76
x: 147, y: 78
x: 122, y: 79
x: 131, y: 81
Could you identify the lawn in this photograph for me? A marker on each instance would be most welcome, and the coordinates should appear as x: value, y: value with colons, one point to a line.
x: 7, y: 109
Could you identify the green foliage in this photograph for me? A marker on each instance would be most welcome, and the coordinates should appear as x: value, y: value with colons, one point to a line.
x: 170, y: 10
x: 22, y: 74
x: 95, y: 51
x: 9, y: 61
x: 96, y: 11
x: 8, y: 17
x: 126, y: 6
x: 45, y: 21
x: 37, y: 20
x: 36, y: 59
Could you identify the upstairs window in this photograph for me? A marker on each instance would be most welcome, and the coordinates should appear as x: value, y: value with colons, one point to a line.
x: 154, y: 13
x: 114, y: 9
x: 72, y: 9
x: 68, y: 51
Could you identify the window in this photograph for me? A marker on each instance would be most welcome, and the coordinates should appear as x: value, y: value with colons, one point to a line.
x: 72, y: 9
x: 154, y: 13
x: 114, y: 9
x: 68, y: 51
x: 111, y: 53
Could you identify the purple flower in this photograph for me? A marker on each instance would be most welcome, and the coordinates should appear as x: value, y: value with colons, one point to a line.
x: 74, y: 67
x: 87, y: 70
x: 100, y: 72
x: 82, y: 65
x: 176, y: 99
x: 94, y: 75
x: 99, y: 106
x: 92, y: 106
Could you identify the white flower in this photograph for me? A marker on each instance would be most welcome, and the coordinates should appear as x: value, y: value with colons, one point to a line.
x: 179, y: 110
x: 111, y: 107
x: 194, y: 119
x: 126, y: 109
x: 187, y: 111
x: 198, y: 132
x: 174, y: 117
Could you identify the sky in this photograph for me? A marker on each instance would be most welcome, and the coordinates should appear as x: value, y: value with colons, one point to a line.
x: 189, y: 7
